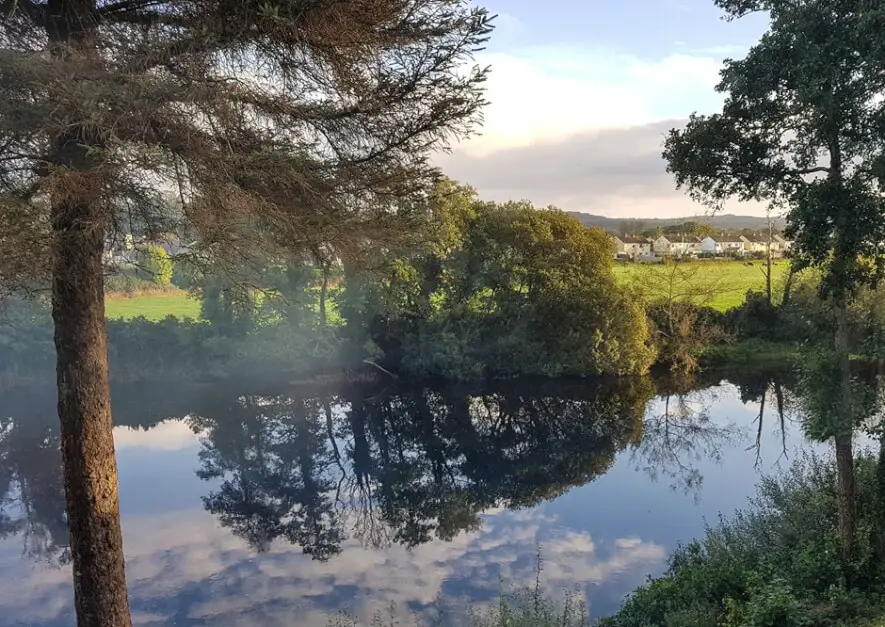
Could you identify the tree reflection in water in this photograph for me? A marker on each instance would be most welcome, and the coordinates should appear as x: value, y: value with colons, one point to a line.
x: 403, y: 466
x: 679, y: 433
x: 32, y: 499
x: 410, y: 466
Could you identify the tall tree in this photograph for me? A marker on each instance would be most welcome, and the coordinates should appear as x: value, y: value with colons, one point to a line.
x: 803, y: 124
x: 267, y: 118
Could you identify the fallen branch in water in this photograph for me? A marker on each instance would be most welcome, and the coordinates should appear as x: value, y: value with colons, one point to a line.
x: 381, y: 368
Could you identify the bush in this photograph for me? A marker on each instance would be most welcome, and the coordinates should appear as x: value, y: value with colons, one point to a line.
x: 681, y: 331
x: 775, y: 564
x: 186, y: 275
x: 756, y: 318
x: 155, y: 265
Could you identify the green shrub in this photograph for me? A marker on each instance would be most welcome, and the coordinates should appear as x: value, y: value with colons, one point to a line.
x: 774, y: 564
x: 155, y: 265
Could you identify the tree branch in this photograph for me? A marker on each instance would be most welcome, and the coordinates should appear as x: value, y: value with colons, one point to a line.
x: 816, y: 169
x: 126, y: 5
x: 29, y: 8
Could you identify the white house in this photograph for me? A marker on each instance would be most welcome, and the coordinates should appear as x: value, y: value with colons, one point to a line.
x: 677, y: 248
x: 710, y: 246
x: 755, y: 244
x: 784, y: 245
x: 731, y: 246
x: 693, y: 245
x: 633, y: 246
x: 662, y: 246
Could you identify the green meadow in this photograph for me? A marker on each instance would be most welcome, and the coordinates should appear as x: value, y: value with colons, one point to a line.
x: 152, y: 306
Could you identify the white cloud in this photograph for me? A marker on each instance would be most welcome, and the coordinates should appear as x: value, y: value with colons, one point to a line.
x: 169, y: 435
x: 550, y: 93
x: 554, y: 113
x: 183, y: 564
x: 613, y: 172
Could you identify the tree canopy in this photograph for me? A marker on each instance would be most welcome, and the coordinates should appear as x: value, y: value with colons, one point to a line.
x: 803, y: 124
x: 479, y: 295
x: 291, y: 115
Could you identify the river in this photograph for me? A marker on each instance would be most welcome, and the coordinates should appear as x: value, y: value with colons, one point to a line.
x: 264, y: 504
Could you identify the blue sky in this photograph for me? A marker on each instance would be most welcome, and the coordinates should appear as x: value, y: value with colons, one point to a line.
x: 646, y: 28
x: 582, y: 93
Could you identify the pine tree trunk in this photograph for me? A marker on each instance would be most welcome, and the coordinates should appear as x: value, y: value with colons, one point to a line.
x: 844, y: 454
x: 84, y: 409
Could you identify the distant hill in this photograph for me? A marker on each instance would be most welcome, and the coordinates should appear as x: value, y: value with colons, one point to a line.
x: 720, y: 222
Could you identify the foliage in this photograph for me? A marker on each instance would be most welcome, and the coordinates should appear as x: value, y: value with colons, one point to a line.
x: 757, y: 318
x: 478, y: 297
x: 155, y: 265
x: 677, y: 303
x: 123, y: 134
x: 807, y: 320
x: 229, y: 307
x: 773, y: 564
x: 808, y: 89
x: 824, y: 413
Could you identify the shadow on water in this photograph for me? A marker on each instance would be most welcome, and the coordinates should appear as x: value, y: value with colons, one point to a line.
x: 404, y: 465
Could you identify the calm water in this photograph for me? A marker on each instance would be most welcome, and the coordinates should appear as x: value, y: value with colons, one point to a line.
x: 267, y: 505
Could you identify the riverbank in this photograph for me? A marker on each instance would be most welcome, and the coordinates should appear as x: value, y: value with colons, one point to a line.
x: 775, y: 563
x: 751, y: 352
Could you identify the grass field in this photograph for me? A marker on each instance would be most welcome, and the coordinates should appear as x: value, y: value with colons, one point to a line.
x: 152, y: 306
x: 722, y: 285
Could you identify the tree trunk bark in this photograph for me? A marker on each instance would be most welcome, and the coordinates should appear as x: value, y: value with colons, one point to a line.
x: 84, y: 409
x: 84, y: 398
x: 788, y: 288
x: 844, y: 454
x: 324, y: 291
x: 768, y: 274
x: 879, y: 504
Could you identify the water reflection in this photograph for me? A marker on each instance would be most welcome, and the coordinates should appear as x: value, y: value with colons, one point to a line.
x: 406, y: 467
x: 332, y: 473
x: 679, y: 431
x: 32, y: 501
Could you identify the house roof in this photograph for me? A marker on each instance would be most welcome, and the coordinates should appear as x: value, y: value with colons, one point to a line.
x: 634, y: 240
x: 755, y: 239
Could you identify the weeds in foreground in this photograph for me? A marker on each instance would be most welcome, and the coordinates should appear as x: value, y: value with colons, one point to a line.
x: 525, y: 607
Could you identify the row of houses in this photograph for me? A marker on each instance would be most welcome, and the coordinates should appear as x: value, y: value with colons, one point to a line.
x: 663, y: 246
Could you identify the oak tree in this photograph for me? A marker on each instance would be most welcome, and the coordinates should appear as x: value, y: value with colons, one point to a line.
x: 267, y: 119
x: 803, y: 124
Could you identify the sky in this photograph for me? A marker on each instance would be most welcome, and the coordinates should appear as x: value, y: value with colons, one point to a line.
x: 582, y: 93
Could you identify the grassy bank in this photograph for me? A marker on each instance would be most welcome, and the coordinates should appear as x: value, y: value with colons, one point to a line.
x: 750, y: 352
x: 775, y: 563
